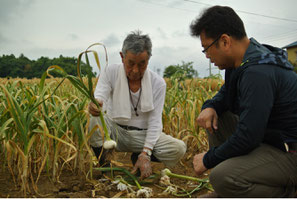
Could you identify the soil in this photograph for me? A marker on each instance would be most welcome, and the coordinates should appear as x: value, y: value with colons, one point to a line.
x: 71, y: 185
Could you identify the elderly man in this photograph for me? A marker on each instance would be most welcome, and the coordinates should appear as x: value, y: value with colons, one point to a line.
x: 252, y: 120
x: 133, y: 96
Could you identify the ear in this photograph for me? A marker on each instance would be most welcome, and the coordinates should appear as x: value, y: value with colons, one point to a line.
x: 226, y: 41
x: 122, y: 55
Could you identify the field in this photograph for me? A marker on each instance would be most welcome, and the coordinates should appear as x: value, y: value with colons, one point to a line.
x: 44, y: 147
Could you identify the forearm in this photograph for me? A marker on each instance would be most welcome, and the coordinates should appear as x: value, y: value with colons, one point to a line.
x: 151, y: 139
x: 255, y: 107
x: 155, y: 118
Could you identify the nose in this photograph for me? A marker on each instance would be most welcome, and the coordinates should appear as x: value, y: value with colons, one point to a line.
x: 206, y: 55
x: 135, y: 69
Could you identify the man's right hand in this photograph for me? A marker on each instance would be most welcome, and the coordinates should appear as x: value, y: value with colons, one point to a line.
x: 143, y: 163
x: 93, y: 109
x: 208, y: 119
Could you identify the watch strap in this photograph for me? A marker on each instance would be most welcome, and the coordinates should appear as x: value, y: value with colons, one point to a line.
x: 148, y: 152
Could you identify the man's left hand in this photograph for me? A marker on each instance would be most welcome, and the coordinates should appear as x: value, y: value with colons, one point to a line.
x: 199, y: 167
x: 144, y: 164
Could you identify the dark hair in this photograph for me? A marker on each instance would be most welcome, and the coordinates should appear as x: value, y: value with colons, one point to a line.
x: 218, y: 20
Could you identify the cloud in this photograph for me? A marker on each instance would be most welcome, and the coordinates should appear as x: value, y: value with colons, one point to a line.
x: 162, y: 34
x: 175, y: 3
x: 12, y: 45
x: 73, y: 36
x: 169, y: 3
x: 12, y: 9
x: 181, y: 33
x: 111, y: 40
x: 167, y: 55
x: 4, y: 40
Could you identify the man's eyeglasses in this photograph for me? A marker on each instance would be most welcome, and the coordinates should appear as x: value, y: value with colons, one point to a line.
x: 204, y: 51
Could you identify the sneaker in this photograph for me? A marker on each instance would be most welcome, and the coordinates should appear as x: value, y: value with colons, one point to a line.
x: 134, y: 158
x: 104, y: 161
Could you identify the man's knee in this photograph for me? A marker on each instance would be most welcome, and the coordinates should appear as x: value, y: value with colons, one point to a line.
x: 174, y: 153
x: 181, y: 149
x: 218, y: 180
x: 225, y: 182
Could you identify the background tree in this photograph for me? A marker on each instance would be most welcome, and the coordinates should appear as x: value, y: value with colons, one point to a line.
x: 11, y: 66
x: 185, y: 69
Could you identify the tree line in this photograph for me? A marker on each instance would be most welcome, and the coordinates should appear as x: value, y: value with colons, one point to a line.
x: 185, y: 69
x: 23, y: 67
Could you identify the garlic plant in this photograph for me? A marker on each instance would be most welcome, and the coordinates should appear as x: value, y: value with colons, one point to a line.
x: 109, y: 143
x: 122, y: 185
x: 173, y: 189
x: 145, y: 192
x: 87, y: 90
x: 165, y: 180
x: 121, y: 170
x: 170, y: 174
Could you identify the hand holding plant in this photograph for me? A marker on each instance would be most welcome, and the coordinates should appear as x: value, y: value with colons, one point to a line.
x: 87, y: 90
x: 144, y: 164
x: 93, y: 109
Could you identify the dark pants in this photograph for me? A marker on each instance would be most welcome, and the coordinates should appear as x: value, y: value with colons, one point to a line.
x: 264, y: 172
x: 102, y: 160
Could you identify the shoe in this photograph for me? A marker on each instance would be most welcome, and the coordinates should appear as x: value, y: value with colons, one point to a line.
x: 104, y: 160
x: 134, y: 158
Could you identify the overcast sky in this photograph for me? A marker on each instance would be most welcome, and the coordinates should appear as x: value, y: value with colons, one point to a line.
x: 52, y: 28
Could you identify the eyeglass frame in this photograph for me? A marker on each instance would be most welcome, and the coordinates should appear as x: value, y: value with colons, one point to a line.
x: 217, y: 39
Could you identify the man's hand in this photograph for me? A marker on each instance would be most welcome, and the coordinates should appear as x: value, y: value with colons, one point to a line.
x: 93, y: 109
x: 199, y: 167
x: 144, y: 164
x: 208, y: 119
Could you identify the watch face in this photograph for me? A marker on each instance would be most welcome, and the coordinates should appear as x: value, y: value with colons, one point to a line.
x: 149, y: 152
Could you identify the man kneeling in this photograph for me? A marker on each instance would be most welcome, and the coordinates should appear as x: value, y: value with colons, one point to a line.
x: 133, y: 96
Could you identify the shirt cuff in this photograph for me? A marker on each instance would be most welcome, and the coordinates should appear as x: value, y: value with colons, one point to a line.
x: 210, y: 160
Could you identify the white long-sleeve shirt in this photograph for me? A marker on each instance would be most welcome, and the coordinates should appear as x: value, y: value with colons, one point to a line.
x: 152, y: 120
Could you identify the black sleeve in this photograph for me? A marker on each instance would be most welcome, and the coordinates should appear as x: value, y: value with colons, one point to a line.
x: 256, y: 95
x: 217, y: 102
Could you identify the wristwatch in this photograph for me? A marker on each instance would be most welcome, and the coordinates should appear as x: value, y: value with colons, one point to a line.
x: 148, y: 152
